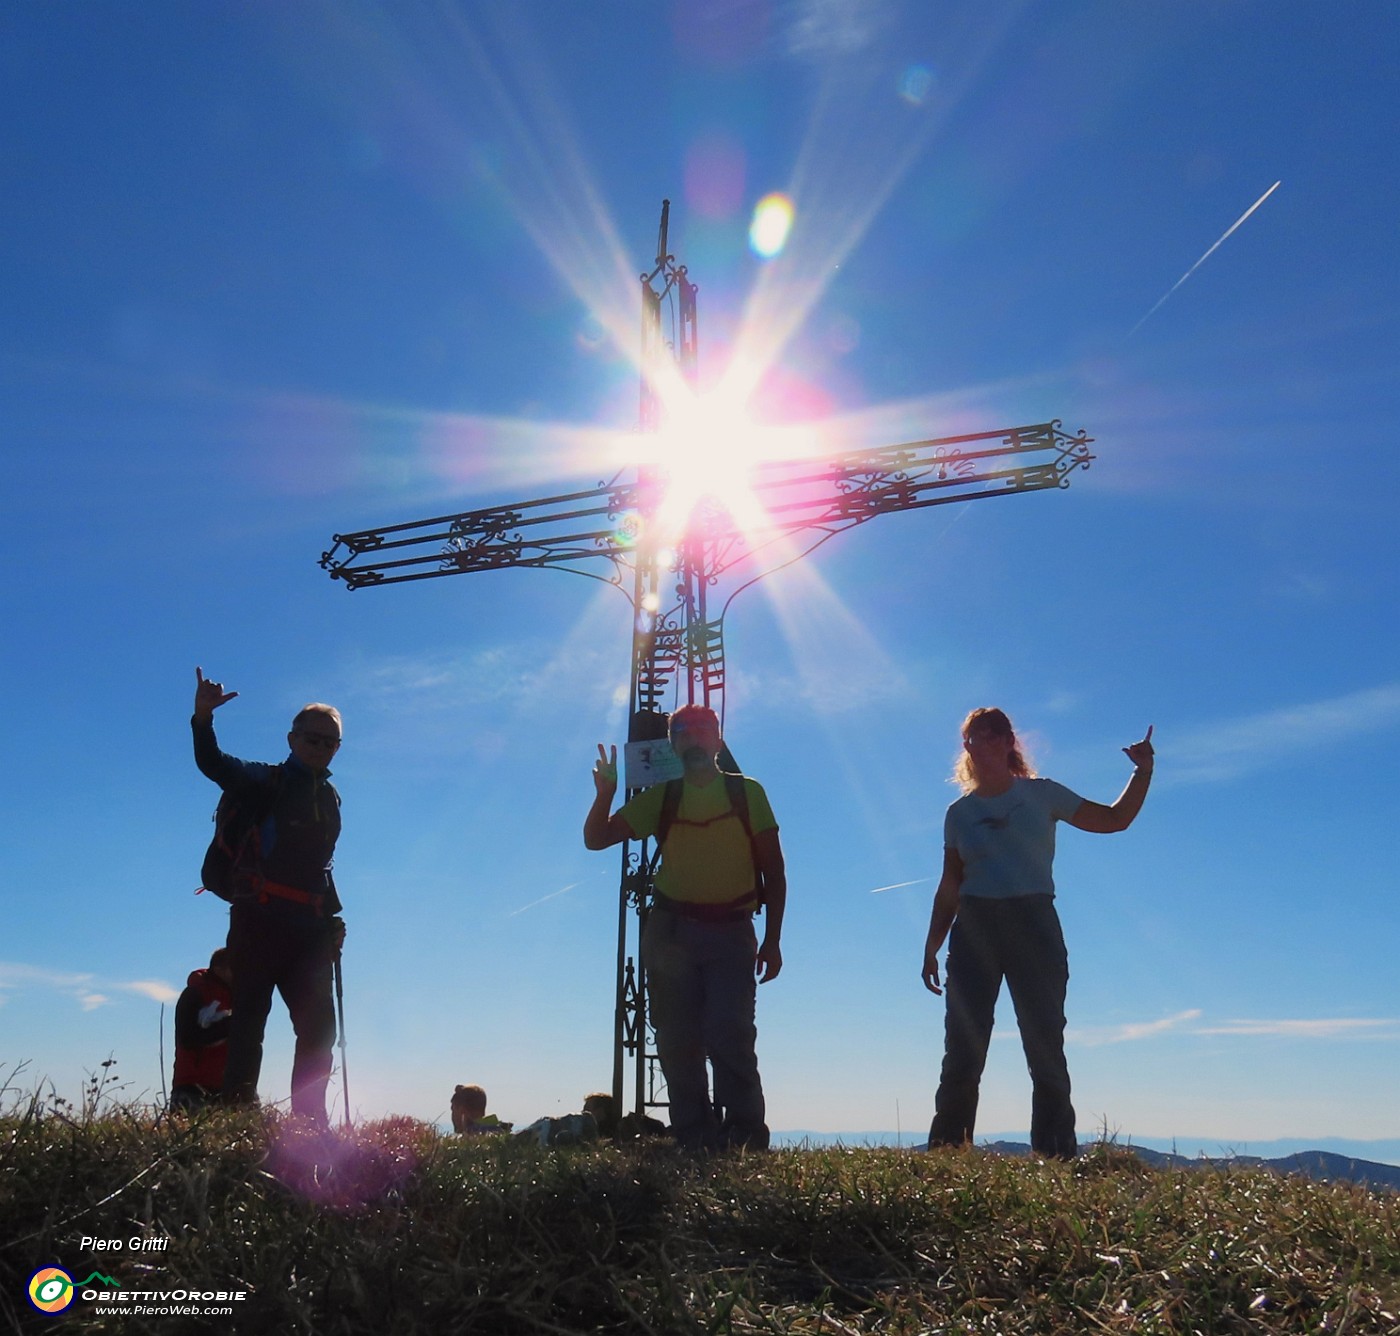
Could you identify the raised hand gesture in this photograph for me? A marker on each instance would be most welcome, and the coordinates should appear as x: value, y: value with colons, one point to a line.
x: 605, y: 772
x: 208, y: 696
x: 1140, y: 753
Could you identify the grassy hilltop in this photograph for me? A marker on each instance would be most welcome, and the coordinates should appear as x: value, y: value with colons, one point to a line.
x: 395, y: 1228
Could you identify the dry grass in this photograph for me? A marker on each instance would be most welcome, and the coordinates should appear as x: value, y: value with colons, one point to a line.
x: 398, y: 1229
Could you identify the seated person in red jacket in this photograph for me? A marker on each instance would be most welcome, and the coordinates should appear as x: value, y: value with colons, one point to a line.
x: 201, y: 1034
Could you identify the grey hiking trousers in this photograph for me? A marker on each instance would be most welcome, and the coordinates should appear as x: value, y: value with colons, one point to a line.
x: 701, y: 985
x: 1018, y: 939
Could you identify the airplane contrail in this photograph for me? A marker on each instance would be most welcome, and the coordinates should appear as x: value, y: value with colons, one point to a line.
x: 918, y: 881
x: 1204, y: 257
x: 553, y: 895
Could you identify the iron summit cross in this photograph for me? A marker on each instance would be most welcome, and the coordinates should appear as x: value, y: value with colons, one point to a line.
x: 613, y: 532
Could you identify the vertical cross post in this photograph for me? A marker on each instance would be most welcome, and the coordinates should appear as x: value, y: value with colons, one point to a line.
x: 668, y: 651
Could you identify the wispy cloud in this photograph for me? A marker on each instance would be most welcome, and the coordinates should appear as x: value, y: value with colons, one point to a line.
x: 1132, y: 1031
x: 499, y: 676
x: 15, y: 975
x: 1189, y: 1022
x: 155, y: 989
x: 85, y: 989
x: 1330, y: 1028
x: 826, y: 29
x: 489, y: 690
x: 1228, y: 749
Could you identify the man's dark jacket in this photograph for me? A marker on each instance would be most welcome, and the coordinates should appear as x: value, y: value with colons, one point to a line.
x: 298, y: 837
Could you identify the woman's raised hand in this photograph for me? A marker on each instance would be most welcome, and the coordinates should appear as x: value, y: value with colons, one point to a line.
x: 1140, y: 753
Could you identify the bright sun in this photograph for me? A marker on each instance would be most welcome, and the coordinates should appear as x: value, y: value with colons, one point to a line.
x: 707, y: 451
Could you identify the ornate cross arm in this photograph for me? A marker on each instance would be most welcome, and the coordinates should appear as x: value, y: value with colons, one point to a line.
x: 577, y: 530
x: 566, y: 530
x: 847, y: 490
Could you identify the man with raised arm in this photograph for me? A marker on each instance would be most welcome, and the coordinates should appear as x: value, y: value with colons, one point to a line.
x: 721, y: 863
x: 283, y: 933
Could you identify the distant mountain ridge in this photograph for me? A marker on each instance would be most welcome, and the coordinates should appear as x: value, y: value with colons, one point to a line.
x: 1325, y: 1165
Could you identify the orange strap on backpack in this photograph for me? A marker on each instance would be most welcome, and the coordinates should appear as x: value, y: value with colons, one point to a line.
x: 275, y: 890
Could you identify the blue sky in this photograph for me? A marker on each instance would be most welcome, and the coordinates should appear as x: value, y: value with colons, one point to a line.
x: 277, y: 271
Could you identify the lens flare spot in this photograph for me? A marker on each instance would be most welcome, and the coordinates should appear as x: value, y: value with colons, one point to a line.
x: 628, y: 528
x: 915, y: 84
x: 590, y: 335
x: 772, y: 222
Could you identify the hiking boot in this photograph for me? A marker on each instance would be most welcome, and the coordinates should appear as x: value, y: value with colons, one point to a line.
x: 734, y: 1136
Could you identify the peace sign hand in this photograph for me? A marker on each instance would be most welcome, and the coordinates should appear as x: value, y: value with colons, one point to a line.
x: 208, y: 696
x: 605, y: 771
x: 1140, y: 753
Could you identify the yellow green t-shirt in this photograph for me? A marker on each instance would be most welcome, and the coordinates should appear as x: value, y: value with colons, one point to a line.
x: 706, y: 858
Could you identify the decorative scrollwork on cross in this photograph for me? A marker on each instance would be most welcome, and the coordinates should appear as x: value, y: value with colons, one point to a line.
x: 1073, y: 453
x: 492, y: 522
x: 488, y: 552
x: 949, y: 462
x: 866, y: 491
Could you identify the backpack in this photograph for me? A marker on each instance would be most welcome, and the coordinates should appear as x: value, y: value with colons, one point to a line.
x: 573, y: 1129
x: 738, y: 801
x: 237, y: 842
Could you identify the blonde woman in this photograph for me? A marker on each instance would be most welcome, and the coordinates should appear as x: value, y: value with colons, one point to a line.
x: 997, y: 897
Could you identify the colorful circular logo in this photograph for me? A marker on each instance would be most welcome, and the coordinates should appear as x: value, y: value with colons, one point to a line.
x: 50, y: 1289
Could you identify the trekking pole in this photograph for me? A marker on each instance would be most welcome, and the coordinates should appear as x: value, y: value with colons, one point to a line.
x: 340, y: 1016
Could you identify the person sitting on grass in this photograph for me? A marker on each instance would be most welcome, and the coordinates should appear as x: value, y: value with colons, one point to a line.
x: 603, y: 1107
x: 201, y: 1034
x: 611, y: 1127
x: 469, y: 1116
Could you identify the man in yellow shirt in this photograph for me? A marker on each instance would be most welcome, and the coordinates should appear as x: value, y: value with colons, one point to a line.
x: 702, y: 956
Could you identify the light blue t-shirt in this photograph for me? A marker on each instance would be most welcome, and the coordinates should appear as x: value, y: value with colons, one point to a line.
x: 1007, y: 843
